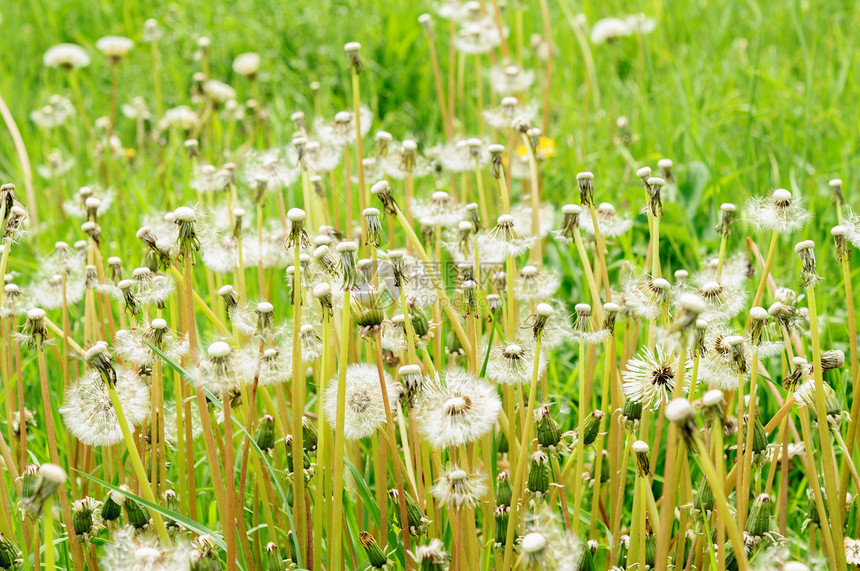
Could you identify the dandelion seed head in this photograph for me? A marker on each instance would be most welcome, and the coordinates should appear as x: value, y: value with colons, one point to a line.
x: 66, y: 56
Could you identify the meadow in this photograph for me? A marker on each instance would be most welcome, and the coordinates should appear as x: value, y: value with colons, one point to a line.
x: 524, y: 284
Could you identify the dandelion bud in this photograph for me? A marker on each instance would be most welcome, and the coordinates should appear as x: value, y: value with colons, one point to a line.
x: 7, y: 199
x: 735, y: 344
x: 192, y: 147
x: 705, y: 498
x: 542, y: 314
x: 230, y: 297
x: 623, y: 546
x: 643, y: 461
x: 10, y: 556
x: 759, y: 444
x: 728, y: 212
x: 691, y: 306
x: 497, y: 157
x: 382, y: 190
x: 655, y: 188
x: 187, y: 240
x: 35, y: 331
x: 265, y: 318
x: 347, y: 264
x: 416, y: 522
x: 610, y: 315
x: 265, y: 434
x: 501, y: 515
x: 100, y: 359
x: 474, y: 216
x: 151, y: 31
x: 585, y: 181
x: 631, y: 412
x: 538, y: 478
x: 832, y: 359
x: 135, y: 514
x: 758, y: 322
x: 376, y: 557
x: 82, y: 515
x: 14, y: 223
x: 806, y: 251
x: 665, y: 166
x: 494, y: 303
x: 570, y: 221
x: 758, y: 523
x: 420, y: 324
x: 840, y: 237
x: 836, y: 187
x: 592, y: 427
x: 112, y: 506
x: 547, y: 429
x: 92, y: 230
x: 504, y: 492
x: 322, y: 291
x: 374, y: 228
x: 644, y: 174
x: 681, y: 412
x: 48, y: 480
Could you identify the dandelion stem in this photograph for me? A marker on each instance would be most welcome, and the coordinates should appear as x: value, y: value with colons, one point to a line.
x: 762, y: 284
x: 336, y: 547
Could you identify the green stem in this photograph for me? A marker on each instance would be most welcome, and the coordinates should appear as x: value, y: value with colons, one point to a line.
x: 335, y: 547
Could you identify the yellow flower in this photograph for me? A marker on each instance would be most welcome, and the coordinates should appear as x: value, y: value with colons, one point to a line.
x: 545, y: 149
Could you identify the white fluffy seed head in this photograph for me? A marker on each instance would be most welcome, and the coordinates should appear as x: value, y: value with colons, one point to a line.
x: 218, y: 350
x: 265, y: 307
x: 805, y: 245
x: 692, y: 302
x: 407, y: 370
x: 713, y: 397
x: 380, y: 187
x: 758, y: 313
x: 533, y: 542
x: 640, y: 447
x: 644, y: 172
x: 711, y: 287
x: 733, y: 340
x: 296, y: 215
x: 665, y: 163
x: 36, y: 314
x: 351, y: 47
x: 728, y: 207
x: 184, y: 214
x: 582, y: 308
x: 159, y: 323
x: 795, y: 566
x: 571, y: 209
x: 678, y: 410
x: 544, y: 309
x: 661, y: 283
x: 585, y: 176
x: 656, y: 181
x: 839, y: 230
x: 513, y: 349
x: 53, y: 473
x: 505, y: 219
x: 370, y: 212
x: 322, y: 290
x: 347, y: 247
x: 781, y: 195
x: 610, y: 307
x: 836, y: 182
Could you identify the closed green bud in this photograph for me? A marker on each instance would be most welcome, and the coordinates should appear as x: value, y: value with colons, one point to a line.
x: 811, y: 511
x: 501, y: 515
x: 135, y: 513
x: 265, y: 434
x: 631, y: 412
x: 623, y: 546
x: 503, y: 489
x: 502, y: 446
x: 10, y: 557
x: 592, y: 427
x: 420, y: 324
x: 604, y: 468
x: 416, y: 520
x: 538, y: 481
x: 273, y: 558
x: 759, y: 444
x: 758, y: 522
x: 112, y: 506
x: 547, y: 429
x: 309, y: 435
x: 171, y: 501
x: 82, y: 515
x: 705, y: 498
x: 375, y: 556
x: 586, y: 558
x: 28, y: 480
x: 650, y: 549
